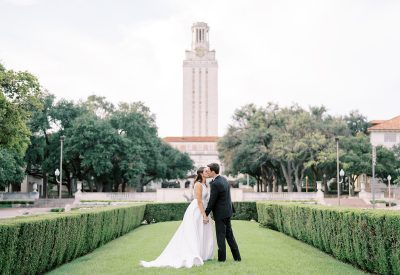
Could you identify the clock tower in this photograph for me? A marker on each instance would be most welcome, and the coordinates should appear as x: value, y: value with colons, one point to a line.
x: 200, y: 101
x: 200, y: 86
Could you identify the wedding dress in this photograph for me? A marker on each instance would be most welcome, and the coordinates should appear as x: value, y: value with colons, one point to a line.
x: 192, y: 243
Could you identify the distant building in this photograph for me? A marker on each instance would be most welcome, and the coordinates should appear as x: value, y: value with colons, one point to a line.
x: 385, y: 132
x: 200, y: 86
x: 200, y: 101
x: 202, y: 150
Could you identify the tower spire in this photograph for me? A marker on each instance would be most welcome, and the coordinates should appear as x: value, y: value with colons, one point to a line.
x: 200, y: 36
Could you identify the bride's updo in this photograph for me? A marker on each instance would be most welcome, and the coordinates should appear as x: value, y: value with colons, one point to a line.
x: 199, y: 176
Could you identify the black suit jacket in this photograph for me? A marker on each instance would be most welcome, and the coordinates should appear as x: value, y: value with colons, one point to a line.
x: 220, y: 202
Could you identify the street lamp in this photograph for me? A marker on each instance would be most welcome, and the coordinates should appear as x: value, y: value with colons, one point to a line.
x: 341, y: 173
x: 390, y: 199
x: 59, y: 172
x: 373, y: 175
x: 337, y: 169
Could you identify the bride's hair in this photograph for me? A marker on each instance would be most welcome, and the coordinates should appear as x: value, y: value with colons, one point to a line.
x: 199, y: 177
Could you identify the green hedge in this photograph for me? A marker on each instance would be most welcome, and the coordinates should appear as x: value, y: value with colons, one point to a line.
x: 161, y: 212
x: 367, y: 239
x: 33, y: 245
x: 245, y: 210
x: 16, y: 202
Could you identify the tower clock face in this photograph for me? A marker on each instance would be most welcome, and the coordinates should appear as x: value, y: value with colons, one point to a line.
x: 200, y: 51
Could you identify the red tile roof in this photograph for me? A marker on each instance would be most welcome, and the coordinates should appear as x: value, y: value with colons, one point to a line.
x: 377, y: 121
x: 191, y: 139
x: 391, y: 124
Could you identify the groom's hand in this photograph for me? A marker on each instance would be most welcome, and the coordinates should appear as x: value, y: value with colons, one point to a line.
x: 205, y: 220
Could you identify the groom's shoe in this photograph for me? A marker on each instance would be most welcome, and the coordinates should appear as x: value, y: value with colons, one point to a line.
x: 236, y: 255
x: 221, y: 256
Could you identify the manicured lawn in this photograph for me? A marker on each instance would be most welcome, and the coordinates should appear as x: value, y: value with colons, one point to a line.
x: 263, y: 252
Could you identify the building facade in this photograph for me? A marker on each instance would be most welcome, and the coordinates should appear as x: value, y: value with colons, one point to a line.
x: 385, y: 132
x: 202, y: 150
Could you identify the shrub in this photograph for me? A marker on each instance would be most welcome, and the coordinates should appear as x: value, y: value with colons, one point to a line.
x: 367, y: 239
x: 33, y: 245
x: 16, y: 202
x: 245, y: 210
x: 57, y: 210
x: 162, y: 212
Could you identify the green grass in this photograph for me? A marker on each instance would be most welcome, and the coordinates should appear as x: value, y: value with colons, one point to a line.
x: 263, y: 252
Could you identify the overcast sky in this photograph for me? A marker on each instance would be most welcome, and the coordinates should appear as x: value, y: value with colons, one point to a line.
x: 341, y: 54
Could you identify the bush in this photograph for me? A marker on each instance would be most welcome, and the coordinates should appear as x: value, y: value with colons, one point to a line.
x: 364, y: 238
x: 245, y: 210
x: 16, y: 202
x: 57, y: 210
x: 162, y: 212
x: 33, y: 245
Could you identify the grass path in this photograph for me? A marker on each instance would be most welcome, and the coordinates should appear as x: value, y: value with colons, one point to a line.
x: 263, y: 252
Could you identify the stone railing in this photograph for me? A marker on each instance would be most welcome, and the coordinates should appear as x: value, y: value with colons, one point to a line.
x: 184, y: 194
x: 18, y: 196
x: 118, y: 196
x: 290, y: 196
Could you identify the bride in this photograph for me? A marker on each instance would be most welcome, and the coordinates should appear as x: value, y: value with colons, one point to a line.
x: 193, y: 242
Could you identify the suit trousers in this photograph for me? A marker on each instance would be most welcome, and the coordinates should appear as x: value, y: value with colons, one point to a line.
x: 224, y: 231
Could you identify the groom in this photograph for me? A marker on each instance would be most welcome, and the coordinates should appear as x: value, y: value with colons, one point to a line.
x: 221, y: 205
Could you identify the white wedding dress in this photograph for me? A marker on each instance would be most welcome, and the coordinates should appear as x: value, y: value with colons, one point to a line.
x: 192, y: 243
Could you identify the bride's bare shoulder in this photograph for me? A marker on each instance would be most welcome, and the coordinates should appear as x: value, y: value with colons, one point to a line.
x: 197, y: 184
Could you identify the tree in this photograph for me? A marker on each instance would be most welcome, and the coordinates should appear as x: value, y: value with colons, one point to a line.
x: 47, y: 125
x: 296, y: 139
x: 19, y: 92
x: 91, y: 147
x: 356, y: 122
x: 18, y: 98
x: 11, y: 168
x: 148, y: 158
x: 245, y: 148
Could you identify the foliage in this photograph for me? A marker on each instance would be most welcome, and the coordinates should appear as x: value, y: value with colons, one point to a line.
x: 245, y: 210
x: 11, y: 170
x: 276, y: 144
x: 33, y: 245
x: 114, y: 145
x: 19, y: 92
x: 356, y: 122
x: 369, y: 240
x: 161, y: 212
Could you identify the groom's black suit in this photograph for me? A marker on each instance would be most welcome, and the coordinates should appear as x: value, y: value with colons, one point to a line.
x: 221, y: 205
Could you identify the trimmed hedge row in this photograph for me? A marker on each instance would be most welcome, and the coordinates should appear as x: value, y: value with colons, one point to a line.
x: 33, y: 245
x: 367, y: 239
x: 161, y: 212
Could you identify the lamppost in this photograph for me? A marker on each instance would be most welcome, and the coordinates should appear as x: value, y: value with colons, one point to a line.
x: 337, y: 169
x: 373, y: 175
x: 341, y: 173
x: 390, y: 198
x: 59, y: 172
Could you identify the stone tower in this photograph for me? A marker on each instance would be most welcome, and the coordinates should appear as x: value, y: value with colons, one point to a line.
x: 200, y: 86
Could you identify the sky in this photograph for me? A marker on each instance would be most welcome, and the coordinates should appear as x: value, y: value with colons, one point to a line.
x: 343, y: 54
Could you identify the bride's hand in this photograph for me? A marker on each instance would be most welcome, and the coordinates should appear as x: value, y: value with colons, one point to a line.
x: 205, y: 219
